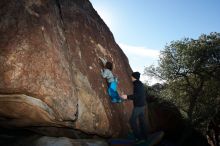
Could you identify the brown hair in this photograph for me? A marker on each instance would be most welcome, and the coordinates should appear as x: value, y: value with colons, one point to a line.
x: 109, y: 65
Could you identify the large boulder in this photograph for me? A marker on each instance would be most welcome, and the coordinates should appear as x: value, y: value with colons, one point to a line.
x: 49, y: 69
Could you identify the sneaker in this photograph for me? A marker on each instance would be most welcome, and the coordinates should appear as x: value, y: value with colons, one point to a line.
x: 119, y: 101
x: 139, y: 141
x: 114, y: 101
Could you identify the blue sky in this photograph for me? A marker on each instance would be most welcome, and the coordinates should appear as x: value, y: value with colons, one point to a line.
x: 143, y: 27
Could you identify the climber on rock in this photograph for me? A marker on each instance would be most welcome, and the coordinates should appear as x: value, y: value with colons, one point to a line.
x: 106, y: 73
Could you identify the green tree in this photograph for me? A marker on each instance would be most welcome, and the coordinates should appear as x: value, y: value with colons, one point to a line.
x: 191, y: 70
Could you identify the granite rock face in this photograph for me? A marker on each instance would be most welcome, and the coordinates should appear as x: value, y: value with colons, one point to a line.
x: 49, y: 68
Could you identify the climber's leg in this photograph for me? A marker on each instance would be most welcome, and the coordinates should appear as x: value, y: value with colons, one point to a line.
x: 111, y: 93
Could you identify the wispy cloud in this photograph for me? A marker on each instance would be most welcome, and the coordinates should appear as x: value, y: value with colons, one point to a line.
x: 139, y: 51
x: 139, y: 57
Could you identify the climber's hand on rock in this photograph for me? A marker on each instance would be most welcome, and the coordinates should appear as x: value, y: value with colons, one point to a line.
x: 104, y: 61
